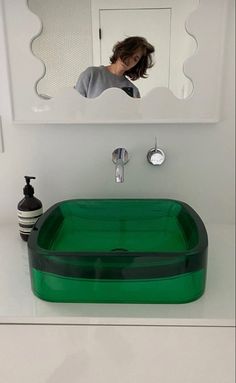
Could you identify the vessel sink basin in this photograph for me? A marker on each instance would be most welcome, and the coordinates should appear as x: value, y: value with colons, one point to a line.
x: 118, y: 251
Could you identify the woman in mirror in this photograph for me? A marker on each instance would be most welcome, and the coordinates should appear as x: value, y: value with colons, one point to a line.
x: 130, y: 60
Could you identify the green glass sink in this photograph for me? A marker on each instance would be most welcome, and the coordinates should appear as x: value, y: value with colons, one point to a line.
x: 118, y: 251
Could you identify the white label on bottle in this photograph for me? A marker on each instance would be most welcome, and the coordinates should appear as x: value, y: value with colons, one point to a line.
x: 25, y: 230
x: 29, y: 214
x: 27, y: 219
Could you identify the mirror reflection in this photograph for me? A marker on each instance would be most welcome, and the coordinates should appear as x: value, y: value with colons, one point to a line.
x: 130, y: 60
x: 79, y: 34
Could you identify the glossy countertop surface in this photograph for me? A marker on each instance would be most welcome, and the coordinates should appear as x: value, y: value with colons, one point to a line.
x: 215, y: 308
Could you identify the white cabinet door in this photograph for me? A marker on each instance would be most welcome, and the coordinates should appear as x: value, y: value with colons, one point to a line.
x: 115, y: 354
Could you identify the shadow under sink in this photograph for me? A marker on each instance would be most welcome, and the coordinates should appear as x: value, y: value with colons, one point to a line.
x: 119, y: 251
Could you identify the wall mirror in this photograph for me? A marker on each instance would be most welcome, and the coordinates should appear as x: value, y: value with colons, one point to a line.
x: 53, y: 42
x: 79, y: 33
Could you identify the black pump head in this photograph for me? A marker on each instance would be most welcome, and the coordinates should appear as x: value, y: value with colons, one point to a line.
x: 28, y: 189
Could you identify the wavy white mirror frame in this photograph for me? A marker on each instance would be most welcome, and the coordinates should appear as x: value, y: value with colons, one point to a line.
x: 204, y: 68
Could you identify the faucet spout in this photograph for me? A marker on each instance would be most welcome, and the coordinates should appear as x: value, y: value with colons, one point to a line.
x: 120, y: 158
x: 119, y: 171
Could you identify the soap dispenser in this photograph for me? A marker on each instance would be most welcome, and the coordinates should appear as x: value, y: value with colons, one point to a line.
x: 29, y: 209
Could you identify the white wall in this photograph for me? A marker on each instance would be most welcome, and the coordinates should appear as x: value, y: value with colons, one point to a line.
x: 75, y: 161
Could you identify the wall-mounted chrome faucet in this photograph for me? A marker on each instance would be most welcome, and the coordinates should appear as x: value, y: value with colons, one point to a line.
x: 120, y: 158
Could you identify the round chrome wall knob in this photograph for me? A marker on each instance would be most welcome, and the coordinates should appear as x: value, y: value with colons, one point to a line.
x: 156, y: 156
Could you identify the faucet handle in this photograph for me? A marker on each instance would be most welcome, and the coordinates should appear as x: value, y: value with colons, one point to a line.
x: 120, y: 154
x: 156, y: 156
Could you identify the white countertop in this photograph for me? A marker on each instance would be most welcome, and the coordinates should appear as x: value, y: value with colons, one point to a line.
x: 215, y: 308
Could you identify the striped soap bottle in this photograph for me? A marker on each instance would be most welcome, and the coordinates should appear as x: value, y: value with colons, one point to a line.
x: 29, y: 209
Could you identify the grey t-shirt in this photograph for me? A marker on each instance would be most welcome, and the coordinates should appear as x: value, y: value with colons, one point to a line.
x: 94, y: 80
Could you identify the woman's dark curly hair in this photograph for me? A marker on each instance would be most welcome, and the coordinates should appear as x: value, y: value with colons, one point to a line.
x: 126, y: 48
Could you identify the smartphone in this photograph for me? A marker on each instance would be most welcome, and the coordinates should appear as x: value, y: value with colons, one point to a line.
x: 129, y: 90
